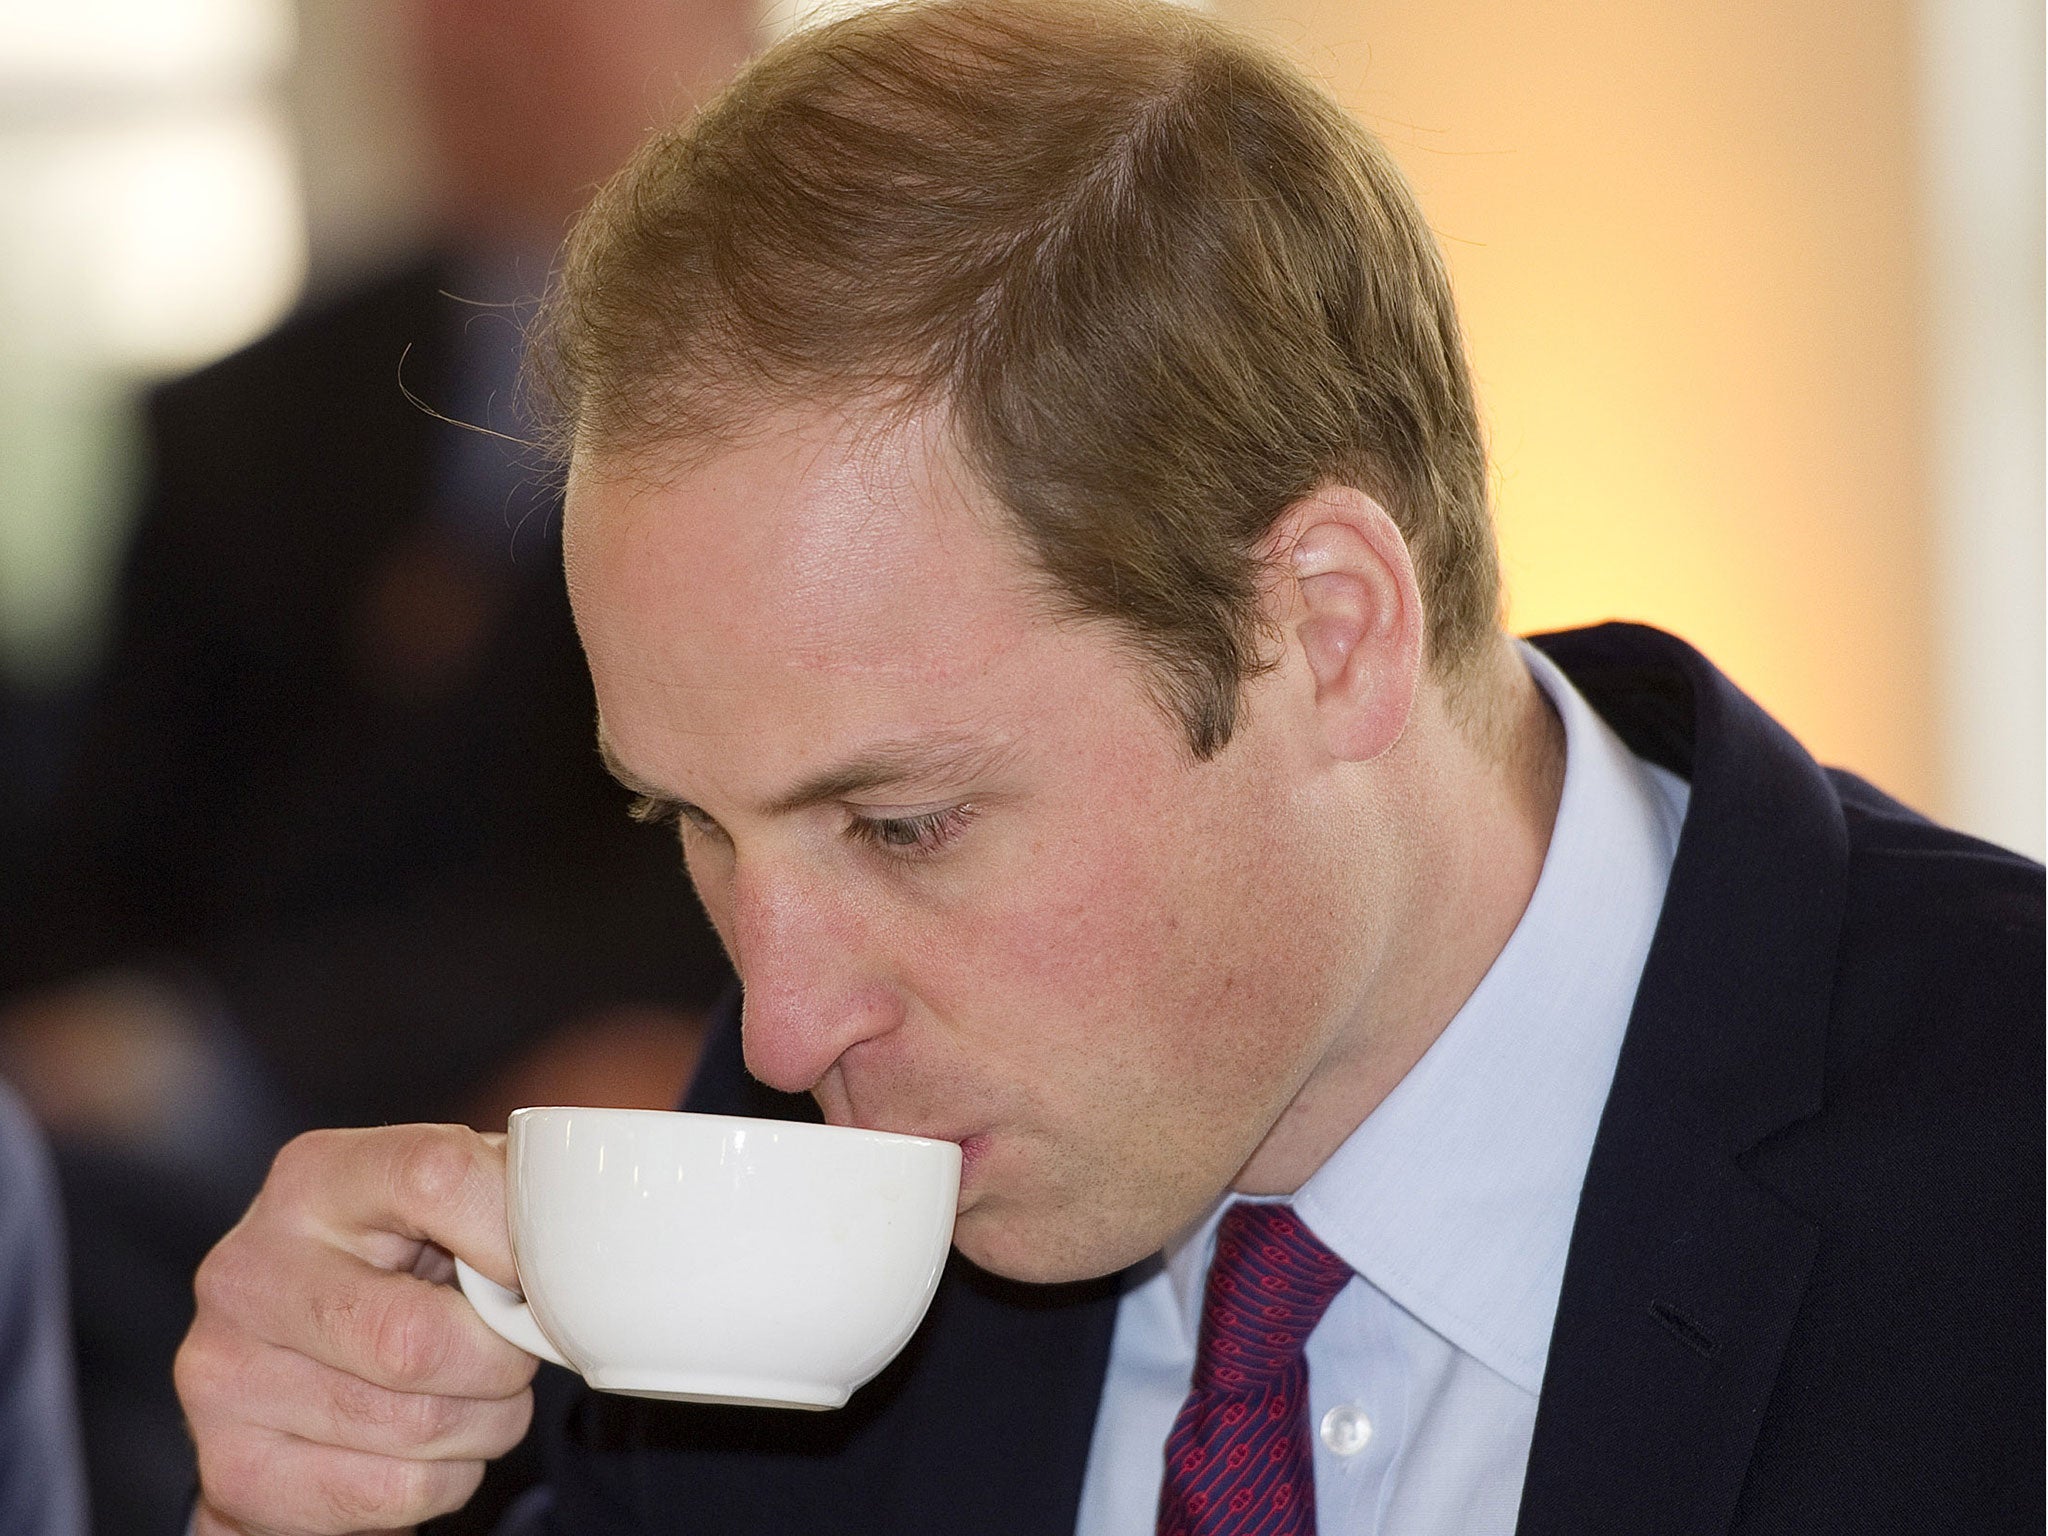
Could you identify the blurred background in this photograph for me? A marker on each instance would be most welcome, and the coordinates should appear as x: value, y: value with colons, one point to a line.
x: 1754, y: 294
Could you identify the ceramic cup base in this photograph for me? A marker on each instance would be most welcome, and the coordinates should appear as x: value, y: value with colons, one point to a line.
x: 736, y: 1391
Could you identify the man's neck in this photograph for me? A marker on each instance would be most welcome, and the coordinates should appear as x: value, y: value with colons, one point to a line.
x: 1477, y: 793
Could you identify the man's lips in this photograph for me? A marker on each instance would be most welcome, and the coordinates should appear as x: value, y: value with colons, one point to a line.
x: 972, y: 1149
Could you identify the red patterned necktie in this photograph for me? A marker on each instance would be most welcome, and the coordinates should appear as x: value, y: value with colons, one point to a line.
x: 1238, y: 1460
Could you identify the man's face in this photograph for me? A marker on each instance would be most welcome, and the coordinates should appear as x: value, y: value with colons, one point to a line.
x: 973, y: 881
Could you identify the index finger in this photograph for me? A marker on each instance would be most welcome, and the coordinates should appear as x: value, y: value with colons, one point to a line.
x: 382, y: 1193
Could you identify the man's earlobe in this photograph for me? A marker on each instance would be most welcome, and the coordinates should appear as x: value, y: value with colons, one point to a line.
x: 1357, y: 617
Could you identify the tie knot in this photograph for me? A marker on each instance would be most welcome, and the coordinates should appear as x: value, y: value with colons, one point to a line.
x: 1269, y: 1285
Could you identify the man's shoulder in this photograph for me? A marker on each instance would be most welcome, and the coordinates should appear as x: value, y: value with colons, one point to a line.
x: 1941, y: 884
x: 1871, y: 946
x: 1940, y: 972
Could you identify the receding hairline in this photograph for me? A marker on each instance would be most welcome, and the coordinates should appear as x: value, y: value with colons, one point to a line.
x: 838, y: 109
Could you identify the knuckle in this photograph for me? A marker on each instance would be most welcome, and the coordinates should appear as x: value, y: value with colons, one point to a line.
x: 408, y: 1343
x: 201, y: 1372
x: 407, y: 1419
x: 434, y: 1171
x: 374, y: 1491
x: 336, y: 1314
x: 363, y: 1405
x: 210, y: 1287
x: 380, y: 1492
x: 299, y: 1160
x: 430, y: 1419
x: 237, y: 1476
x: 220, y: 1286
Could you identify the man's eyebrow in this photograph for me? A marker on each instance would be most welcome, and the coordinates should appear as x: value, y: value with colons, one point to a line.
x: 931, y: 757
x: 626, y: 776
x: 653, y: 804
x: 934, y: 757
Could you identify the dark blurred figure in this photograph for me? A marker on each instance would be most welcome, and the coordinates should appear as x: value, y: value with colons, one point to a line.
x: 336, y: 846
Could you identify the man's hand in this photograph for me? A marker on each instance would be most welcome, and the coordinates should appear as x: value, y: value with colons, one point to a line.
x: 333, y: 1380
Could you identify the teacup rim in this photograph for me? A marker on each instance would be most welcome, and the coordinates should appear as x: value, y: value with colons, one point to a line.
x: 762, y: 1122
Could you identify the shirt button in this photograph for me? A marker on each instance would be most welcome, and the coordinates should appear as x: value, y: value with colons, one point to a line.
x: 1346, y: 1429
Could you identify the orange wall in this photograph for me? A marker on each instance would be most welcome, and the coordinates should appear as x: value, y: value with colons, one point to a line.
x: 1683, y: 241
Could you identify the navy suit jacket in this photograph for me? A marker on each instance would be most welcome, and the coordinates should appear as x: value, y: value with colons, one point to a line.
x: 1804, y: 1291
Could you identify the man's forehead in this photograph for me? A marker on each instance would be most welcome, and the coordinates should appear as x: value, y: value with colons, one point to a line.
x: 882, y: 458
x: 818, y: 554
x: 798, y: 479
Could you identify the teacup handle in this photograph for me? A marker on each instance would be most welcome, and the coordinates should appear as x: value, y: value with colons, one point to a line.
x: 507, y: 1313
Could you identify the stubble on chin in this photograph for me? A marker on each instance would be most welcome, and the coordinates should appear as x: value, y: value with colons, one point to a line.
x: 1096, y: 1230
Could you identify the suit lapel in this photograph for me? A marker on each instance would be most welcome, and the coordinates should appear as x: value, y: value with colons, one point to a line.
x: 1685, y: 1272
x: 1678, y: 1298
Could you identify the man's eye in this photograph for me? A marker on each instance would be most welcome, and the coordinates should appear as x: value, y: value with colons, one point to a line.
x: 913, y: 836
x: 690, y: 819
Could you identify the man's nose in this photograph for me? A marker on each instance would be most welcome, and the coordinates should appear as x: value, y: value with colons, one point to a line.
x: 812, y: 990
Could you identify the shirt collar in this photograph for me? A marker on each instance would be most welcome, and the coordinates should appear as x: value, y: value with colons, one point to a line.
x: 1456, y: 1196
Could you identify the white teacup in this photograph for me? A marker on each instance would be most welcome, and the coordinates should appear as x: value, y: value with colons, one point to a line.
x: 717, y: 1259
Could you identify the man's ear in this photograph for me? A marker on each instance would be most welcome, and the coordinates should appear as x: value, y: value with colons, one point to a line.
x: 1345, y: 595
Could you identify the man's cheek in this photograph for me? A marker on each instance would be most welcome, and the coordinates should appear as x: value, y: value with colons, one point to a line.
x: 1079, y: 935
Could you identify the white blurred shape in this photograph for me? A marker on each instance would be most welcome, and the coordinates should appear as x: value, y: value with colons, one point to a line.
x: 1981, y: 87
x: 779, y: 18
x: 150, y: 220
x: 154, y: 243
x: 201, y: 245
x: 126, y: 45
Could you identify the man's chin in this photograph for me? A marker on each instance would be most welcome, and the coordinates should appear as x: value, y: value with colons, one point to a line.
x: 1045, y: 1251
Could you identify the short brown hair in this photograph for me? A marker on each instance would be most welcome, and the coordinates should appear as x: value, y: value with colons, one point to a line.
x: 1161, y: 285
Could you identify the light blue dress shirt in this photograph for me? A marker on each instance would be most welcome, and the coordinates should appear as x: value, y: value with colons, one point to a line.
x: 1453, y: 1202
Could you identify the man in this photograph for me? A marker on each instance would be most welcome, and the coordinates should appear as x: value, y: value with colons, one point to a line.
x: 1027, y: 525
